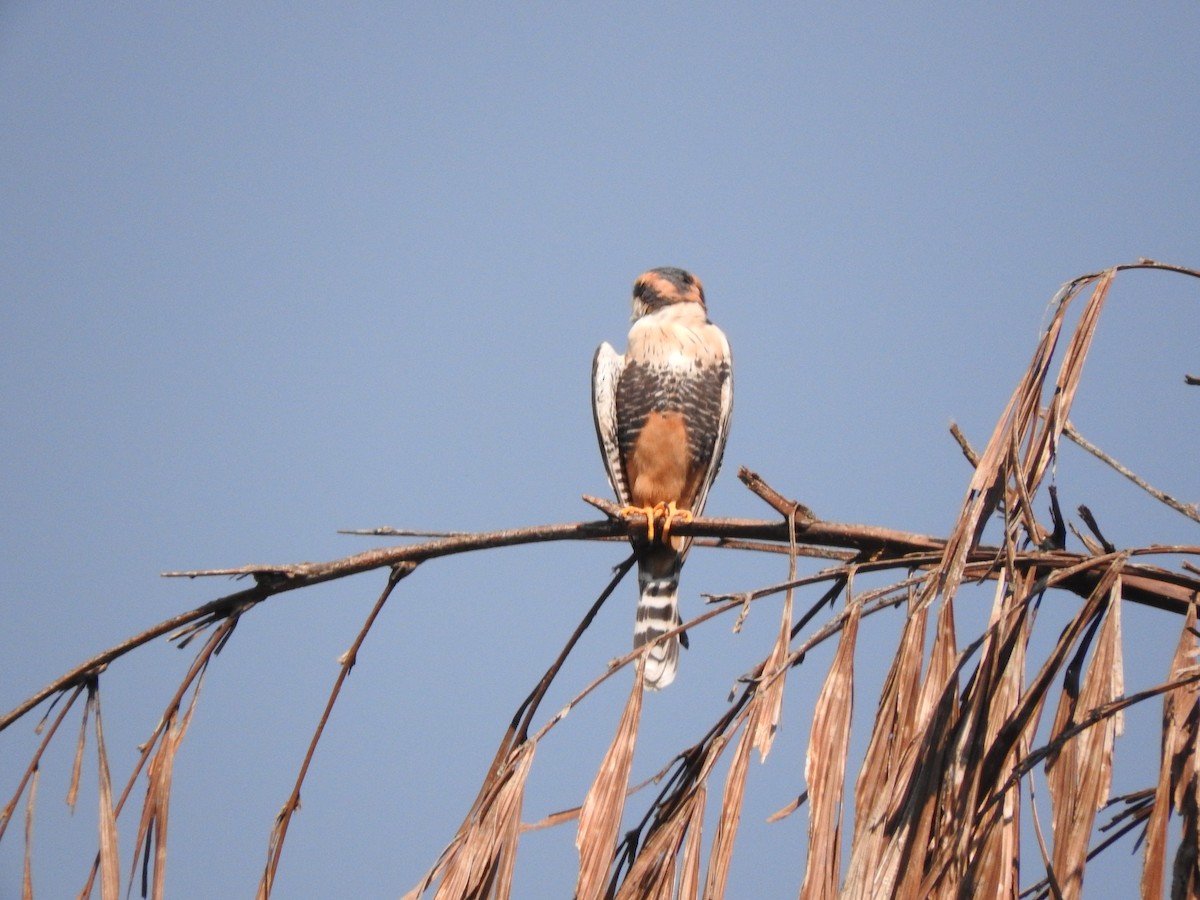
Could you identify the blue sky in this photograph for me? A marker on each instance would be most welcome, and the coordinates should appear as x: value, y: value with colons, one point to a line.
x: 271, y: 271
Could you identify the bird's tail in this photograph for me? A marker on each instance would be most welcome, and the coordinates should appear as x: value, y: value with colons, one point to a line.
x: 658, y: 613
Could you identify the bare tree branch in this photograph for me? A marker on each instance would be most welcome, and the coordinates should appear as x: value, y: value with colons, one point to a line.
x: 1188, y: 509
x: 884, y: 548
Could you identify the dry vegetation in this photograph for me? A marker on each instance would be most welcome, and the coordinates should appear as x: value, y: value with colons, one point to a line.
x: 947, y: 778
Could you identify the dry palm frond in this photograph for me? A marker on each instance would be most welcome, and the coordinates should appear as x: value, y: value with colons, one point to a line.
x: 721, y: 854
x: 1177, y: 779
x: 896, y: 718
x: 765, y: 719
x: 913, y: 805
x: 479, y: 861
x: 482, y: 863
x: 1005, y: 655
x: 110, y: 860
x: 689, y: 882
x: 946, y: 830
x: 212, y: 645
x: 80, y: 747
x: 678, y: 818
x: 27, y: 864
x: 600, y: 816
x: 654, y: 870
x: 152, y: 829
x: 825, y: 766
x: 1079, y: 775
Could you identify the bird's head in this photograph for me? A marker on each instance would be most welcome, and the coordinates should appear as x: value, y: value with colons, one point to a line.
x: 661, y: 287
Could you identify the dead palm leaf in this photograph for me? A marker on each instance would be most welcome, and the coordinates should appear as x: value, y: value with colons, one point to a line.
x: 110, y: 871
x: 1079, y: 775
x: 152, y: 829
x: 600, y: 817
x: 895, y: 722
x: 825, y: 768
x: 479, y: 863
x: 721, y: 854
x: 27, y: 866
x: 1177, y: 778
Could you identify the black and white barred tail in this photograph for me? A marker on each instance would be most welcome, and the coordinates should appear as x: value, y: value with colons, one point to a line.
x: 658, y: 613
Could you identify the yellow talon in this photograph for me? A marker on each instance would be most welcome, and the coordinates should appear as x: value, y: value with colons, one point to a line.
x: 648, y: 511
x: 670, y: 510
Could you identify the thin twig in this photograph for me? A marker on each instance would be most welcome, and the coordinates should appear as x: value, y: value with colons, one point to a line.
x: 348, y: 659
x: 1188, y: 509
x: 964, y: 445
x: 389, y: 531
x: 525, y: 712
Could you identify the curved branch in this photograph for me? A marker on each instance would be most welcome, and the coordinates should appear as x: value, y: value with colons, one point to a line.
x: 881, y: 548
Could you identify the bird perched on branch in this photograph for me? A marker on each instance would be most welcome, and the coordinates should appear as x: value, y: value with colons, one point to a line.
x: 662, y: 417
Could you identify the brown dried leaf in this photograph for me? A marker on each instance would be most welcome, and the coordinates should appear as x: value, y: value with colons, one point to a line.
x: 895, y: 722
x: 965, y: 826
x: 1017, y: 425
x: 10, y: 808
x: 918, y: 800
x: 77, y: 767
x: 600, y: 816
x: 1038, y: 460
x: 1185, y: 878
x: 479, y: 863
x: 788, y: 808
x: 27, y: 876
x: 110, y: 861
x: 1024, y: 717
x: 652, y: 874
x: 554, y: 819
x: 942, y: 678
x: 996, y: 868
x: 731, y: 815
x: 689, y: 879
x: 1080, y: 774
x: 891, y: 808
x: 155, y: 809
x: 492, y: 782
x: 976, y: 849
x: 162, y: 769
x: 508, y: 817
x: 1178, y: 707
x: 825, y: 768
x: 681, y: 816
x: 765, y: 718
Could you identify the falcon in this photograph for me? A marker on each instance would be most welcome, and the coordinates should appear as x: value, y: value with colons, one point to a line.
x: 662, y: 416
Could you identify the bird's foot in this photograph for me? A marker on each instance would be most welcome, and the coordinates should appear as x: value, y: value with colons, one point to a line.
x: 670, y: 511
x: 648, y: 511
